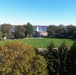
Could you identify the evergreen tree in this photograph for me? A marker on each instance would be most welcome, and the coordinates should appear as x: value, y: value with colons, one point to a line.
x: 62, y: 58
x: 56, y: 58
x: 71, y: 60
x: 52, y: 59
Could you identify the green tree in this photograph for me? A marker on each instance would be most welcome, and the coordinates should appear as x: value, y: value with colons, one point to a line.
x: 71, y: 31
x: 63, y: 49
x: 6, y: 30
x: 61, y: 31
x: 0, y: 32
x: 51, y: 56
x: 25, y: 30
x: 71, y: 60
x: 29, y: 30
x: 56, y: 58
x: 51, y: 30
x: 19, y: 31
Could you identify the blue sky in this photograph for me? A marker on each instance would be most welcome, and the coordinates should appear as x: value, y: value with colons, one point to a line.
x: 38, y: 12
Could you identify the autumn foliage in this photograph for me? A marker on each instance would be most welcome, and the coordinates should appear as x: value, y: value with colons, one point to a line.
x: 17, y: 58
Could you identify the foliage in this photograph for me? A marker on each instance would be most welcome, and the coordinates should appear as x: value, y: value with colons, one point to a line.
x: 0, y: 32
x: 51, y: 30
x: 38, y: 66
x: 56, y: 58
x: 19, y: 31
x: 63, y: 49
x: 6, y: 30
x: 29, y: 30
x: 71, y: 30
x: 22, y: 31
x: 50, y: 58
x: 17, y: 58
x: 71, y: 60
x: 62, y: 31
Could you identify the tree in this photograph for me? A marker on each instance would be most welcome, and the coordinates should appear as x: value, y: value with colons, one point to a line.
x: 51, y: 30
x: 29, y: 30
x: 19, y: 31
x: 17, y: 58
x: 71, y: 31
x: 51, y: 58
x: 56, y: 58
x: 38, y: 67
x: 74, y: 36
x: 0, y: 32
x: 63, y: 49
x: 25, y: 30
x: 6, y: 30
x: 61, y: 31
x: 71, y: 60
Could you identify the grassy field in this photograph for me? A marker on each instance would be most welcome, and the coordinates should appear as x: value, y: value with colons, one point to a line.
x: 43, y: 42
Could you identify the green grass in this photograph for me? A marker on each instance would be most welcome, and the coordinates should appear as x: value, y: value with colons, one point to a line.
x: 43, y: 42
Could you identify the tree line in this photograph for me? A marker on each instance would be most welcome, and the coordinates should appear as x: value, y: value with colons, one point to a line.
x: 62, y: 31
x: 21, y: 31
x: 17, y: 31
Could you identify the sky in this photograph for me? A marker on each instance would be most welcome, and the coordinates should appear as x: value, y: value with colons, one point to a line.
x: 38, y: 12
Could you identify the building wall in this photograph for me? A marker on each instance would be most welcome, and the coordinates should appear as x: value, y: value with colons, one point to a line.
x: 40, y: 31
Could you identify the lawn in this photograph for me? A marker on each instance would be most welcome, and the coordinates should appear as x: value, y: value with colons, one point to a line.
x: 43, y: 42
